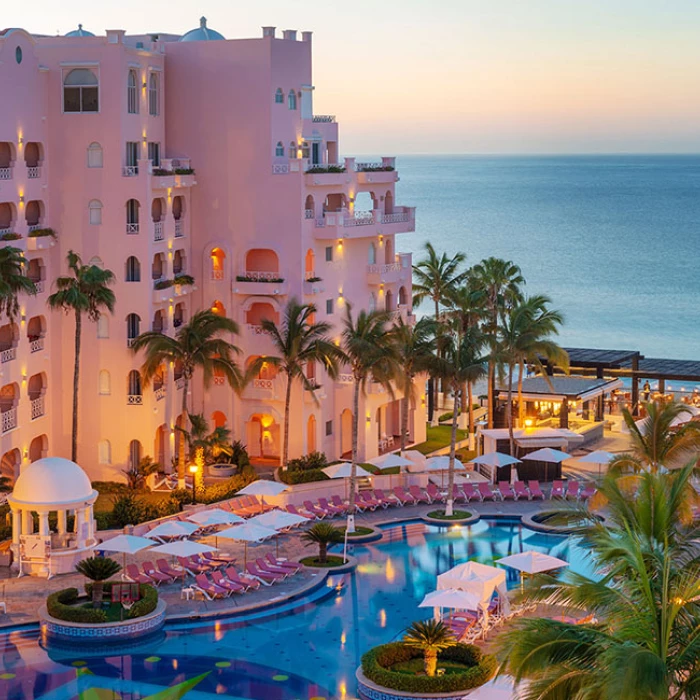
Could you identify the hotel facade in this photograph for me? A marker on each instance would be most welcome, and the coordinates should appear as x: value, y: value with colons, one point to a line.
x: 165, y: 158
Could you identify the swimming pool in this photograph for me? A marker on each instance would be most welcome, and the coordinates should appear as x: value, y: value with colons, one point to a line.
x: 303, y: 650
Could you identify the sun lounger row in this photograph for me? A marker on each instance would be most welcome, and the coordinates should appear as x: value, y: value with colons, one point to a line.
x: 246, y: 506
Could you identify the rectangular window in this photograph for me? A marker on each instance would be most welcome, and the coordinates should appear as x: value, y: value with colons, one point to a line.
x: 132, y: 154
x: 154, y: 153
x: 329, y: 428
x: 153, y: 95
x: 329, y: 306
x: 329, y: 253
x: 80, y: 99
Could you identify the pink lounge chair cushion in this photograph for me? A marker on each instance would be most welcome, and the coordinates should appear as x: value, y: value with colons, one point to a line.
x: 267, y: 575
x: 246, y: 582
x: 206, y: 585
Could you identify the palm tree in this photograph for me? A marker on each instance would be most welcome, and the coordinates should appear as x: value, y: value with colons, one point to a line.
x: 370, y: 352
x: 322, y: 534
x: 197, y: 344
x: 646, y: 643
x: 13, y: 281
x: 415, y: 353
x: 98, y: 570
x: 85, y: 292
x: 213, y: 444
x: 501, y: 280
x: 435, y: 278
x: 461, y: 363
x: 299, y: 341
x: 526, y: 338
x: 431, y: 637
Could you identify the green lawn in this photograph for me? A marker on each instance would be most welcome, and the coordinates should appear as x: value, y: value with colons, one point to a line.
x: 105, y: 501
x: 438, y: 437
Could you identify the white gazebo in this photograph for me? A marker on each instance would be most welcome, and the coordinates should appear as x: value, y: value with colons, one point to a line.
x: 51, y: 485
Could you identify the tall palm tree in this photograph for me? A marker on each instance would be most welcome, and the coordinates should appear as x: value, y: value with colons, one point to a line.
x: 197, y: 344
x: 646, y: 643
x: 461, y: 362
x: 526, y: 337
x: 414, y: 346
x: 13, y: 281
x: 298, y: 341
x: 86, y: 292
x: 502, y: 282
x: 435, y: 278
x: 371, y: 354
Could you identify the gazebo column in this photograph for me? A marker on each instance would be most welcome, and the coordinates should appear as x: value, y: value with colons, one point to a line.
x: 564, y: 413
x: 635, y: 386
x: 27, y: 522
x: 44, y: 523
x: 79, y: 538
x: 62, y: 521
x: 16, y: 525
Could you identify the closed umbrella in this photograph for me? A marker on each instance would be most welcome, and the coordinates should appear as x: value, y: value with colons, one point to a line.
x: 250, y: 532
x: 125, y: 544
x: 262, y: 488
x: 173, y: 528
x: 599, y: 457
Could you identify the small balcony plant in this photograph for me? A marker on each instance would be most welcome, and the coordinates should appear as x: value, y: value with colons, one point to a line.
x: 42, y: 233
x: 182, y: 279
x: 162, y: 284
x: 10, y: 236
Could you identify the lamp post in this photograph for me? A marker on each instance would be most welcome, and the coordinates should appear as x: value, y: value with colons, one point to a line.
x: 193, y: 471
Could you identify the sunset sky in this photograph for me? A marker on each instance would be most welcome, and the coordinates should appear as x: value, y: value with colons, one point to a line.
x: 462, y: 76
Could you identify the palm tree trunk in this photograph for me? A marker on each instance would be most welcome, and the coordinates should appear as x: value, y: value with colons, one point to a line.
x: 405, y: 404
x: 97, y: 594
x: 322, y: 552
x: 470, y: 399
x: 287, y: 401
x: 181, y: 449
x: 489, y: 399
x: 510, y: 409
x: 436, y: 381
x: 353, y: 470
x: 521, y: 408
x: 453, y: 439
x: 76, y: 383
x: 430, y: 659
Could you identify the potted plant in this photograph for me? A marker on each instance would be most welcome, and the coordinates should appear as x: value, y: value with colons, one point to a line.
x: 322, y: 534
x: 98, y: 570
x: 431, y: 637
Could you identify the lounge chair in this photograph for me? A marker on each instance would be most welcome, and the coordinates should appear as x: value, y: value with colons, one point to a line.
x: 231, y: 586
x: 418, y: 493
x: 332, y: 509
x: 133, y: 574
x: 270, y: 569
x: 587, y: 492
x: 486, y: 492
x: 379, y: 496
x: 572, y: 490
x: 471, y: 494
x: 157, y: 576
x: 404, y: 497
x: 208, y: 589
x: 247, y: 582
x: 535, y: 490
x: 218, y: 559
x: 366, y: 500
x: 521, y: 491
x: 283, y: 563
x: 320, y: 513
x: 295, y: 511
x: 171, y: 571
x: 265, y: 577
x: 192, y: 567
x: 557, y: 489
x: 337, y: 501
x: 458, y: 495
x: 209, y: 564
x: 434, y: 493
x: 504, y: 488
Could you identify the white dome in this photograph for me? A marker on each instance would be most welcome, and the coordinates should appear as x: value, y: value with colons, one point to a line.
x: 52, y: 480
x: 80, y: 32
x: 202, y: 33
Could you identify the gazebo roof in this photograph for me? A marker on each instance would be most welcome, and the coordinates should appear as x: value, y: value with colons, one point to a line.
x: 52, y: 481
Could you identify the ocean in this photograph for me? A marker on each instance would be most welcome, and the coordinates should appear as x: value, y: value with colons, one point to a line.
x: 613, y: 240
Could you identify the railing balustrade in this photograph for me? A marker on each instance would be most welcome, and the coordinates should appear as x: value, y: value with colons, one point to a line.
x: 36, y: 345
x: 180, y: 383
x: 9, y: 419
x: 309, y: 213
x: 37, y: 407
x: 132, y: 228
x: 397, y: 218
x: 34, y: 172
x: 159, y: 393
x: 130, y: 171
x: 134, y: 399
x: 383, y: 269
x: 323, y: 118
x: 179, y: 228
x: 263, y: 383
x: 345, y: 378
x: 280, y: 168
x: 217, y: 275
x: 8, y: 355
x: 262, y: 276
x: 158, y: 231
x: 256, y: 330
x: 5, y: 173
x: 34, y: 227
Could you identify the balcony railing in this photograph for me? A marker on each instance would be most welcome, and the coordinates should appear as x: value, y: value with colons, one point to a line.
x: 9, y: 419
x: 8, y: 355
x: 130, y: 171
x: 255, y: 329
x: 397, y: 218
x: 323, y: 118
x: 262, y: 276
x: 134, y: 399
x: 5, y: 173
x: 37, y: 407
x: 217, y: 275
x: 179, y: 228
x: 180, y: 383
x: 39, y: 286
x: 263, y: 383
x: 130, y: 342
x: 158, y: 231
x: 34, y: 172
x: 36, y: 345
x: 159, y: 393
x: 309, y: 213
x: 383, y: 269
x: 345, y: 378
x: 132, y: 228
x: 338, y: 168
x: 6, y: 230
x: 34, y: 227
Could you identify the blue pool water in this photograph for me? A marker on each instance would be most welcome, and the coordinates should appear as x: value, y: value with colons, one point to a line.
x: 307, y: 649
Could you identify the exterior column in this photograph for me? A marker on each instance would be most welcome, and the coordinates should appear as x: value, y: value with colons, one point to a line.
x: 80, y: 540
x: 564, y: 413
x: 27, y: 523
x: 16, y: 525
x: 62, y: 522
x: 44, y: 523
x: 90, y: 522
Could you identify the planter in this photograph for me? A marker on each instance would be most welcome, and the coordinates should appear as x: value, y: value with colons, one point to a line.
x: 473, y: 517
x: 222, y: 471
x: 536, y: 522
x: 366, y: 690
x: 349, y: 565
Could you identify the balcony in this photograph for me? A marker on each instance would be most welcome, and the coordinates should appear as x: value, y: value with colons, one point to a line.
x: 9, y: 419
x: 172, y: 173
x: 254, y: 329
x: 323, y: 119
x: 327, y: 174
x: 343, y: 224
x: 37, y: 406
x: 5, y: 173
x: 383, y: 172
x: 254, y: 282
x: 399, y: 271
x: 158, y: 230
x: 8, y: 355
x: 134, y: 400
x: 160, y: 393
x: 266, y: 389
x: 313, y: 284
x: 36, y: 345
x: 132, y: 229
x: 179, y: 228
x: 130, y: 171
x: 34, y: 172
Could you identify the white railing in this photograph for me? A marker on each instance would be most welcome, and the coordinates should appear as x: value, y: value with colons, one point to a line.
x: 134, y: 399
x: 398, y: 218
x: 34, y: 172
x: 323, y: 118
x: 383, y: 269
x: 361, y: 218
x: 160, y: 393
x: 263, y: 383
x: 132, y: 228
x: 130, y: 171
x: 280, y: 168
x: 179, y: 228
x: 219, y: 380
x: 37, y: 406
x: 308, y: 213
x: 130, y: 342
x: 157, y: 230
x: 359, y: 167
x: 34, y: 227
x: 217, y: 275
x: 8, y: 355
x: 260, y: 276
x: 256, y: 330
x: 36, y: 345
x: 345, y: 378
x: 5, y: 173
x: 9, y: 419
x: 39, y: 286
x: 309, y: 166
x: 180, y: 383
x: 3, y: 231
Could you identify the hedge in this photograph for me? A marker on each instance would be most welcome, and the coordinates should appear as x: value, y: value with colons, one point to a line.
x: 146, y: 605
x: 302, y: 477
x: 59, y: 605
x: 376, y: 663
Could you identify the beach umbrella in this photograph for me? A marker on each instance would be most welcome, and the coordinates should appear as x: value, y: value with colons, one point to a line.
x: 278, y: 520
x: 125, y: 544
x: 441, y: 463
x: 262, y: 488
x: 183, y: 548
x: 215, y: 516
x: 599, y: 457
x: 390, y: 460
x: 173, y: 528
x: 417, y: 460
x: 250, y: 532
x: 547, y: 454
x: 343, y: 470
x: 531, y: 562
x: 479, y: 579
x: 451, y: 598
x: 496, y: 459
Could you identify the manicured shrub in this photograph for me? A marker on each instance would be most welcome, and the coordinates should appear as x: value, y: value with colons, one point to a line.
x: 377, y: 663
x: 127, y: 510
x: 144, y: 606
x: 183, y: 279
x: 302, y: 477
x: 184, y: 171
x: 42, y: 233
x: 59, y: 605
x: 313, y: 460
x: 162, y: 284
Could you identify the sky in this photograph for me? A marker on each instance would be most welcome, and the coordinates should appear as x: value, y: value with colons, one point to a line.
x: 461, y: 76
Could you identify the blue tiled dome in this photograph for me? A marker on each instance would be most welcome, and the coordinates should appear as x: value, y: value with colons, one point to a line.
x: 202, y: 33
x: 80, y: 32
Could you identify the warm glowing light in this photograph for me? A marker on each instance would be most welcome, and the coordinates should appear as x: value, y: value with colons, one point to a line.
x: 529, y: 422
x: 218, y: 631
x: 266, y: 421
x: 343, y: 638
x: 390, y: 571
x: 193, y: 468
x: 382, y: 618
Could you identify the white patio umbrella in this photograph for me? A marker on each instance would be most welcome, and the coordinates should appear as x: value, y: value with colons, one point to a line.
x: 262, y: 488
x: 599, y: 457
x: 278, y: 520
x: 496, y: 459
x: 531, y: 562
x: 183, y: 548
x: 441, y: 463
x: 417, y: 460
x: 547, y: 454
x: 451, y: 598
x: 125, y: 544
x: 249, y: 532
x: 173, y: 528
x: 215, y: 516
x: 390, y: 460
x: 479, y: 579
x: 343, y: 471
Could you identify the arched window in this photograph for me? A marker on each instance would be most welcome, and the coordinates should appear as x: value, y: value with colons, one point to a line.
x: 134, y: 383
x: 292, y: 100
x: 104, y: 452
x: 95, y: 209
x: 305, y: 152
x: 279, y: 96
x: 133, y: 269
x: 372, y: 254
x: 153, y: 96
x: 218, y: 308
x: 105, y: 383
x: 292, y: 149
x: 403, y: 298
x: 103, y: 326
x: 96, y: 260
x: 134, y: 454
x: 133, y: 327
x: 132, y: 93
x: 132, y: 216
x: 94, y: 155
x: 81, y: 91
x: 279, y: 149
x: 218, y: 258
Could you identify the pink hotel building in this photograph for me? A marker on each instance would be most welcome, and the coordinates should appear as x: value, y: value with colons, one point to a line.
x: 163, y: 155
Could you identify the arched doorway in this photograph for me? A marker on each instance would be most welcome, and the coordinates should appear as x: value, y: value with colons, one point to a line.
x: 346, y: 431
x: 389, y: 304
x: 9, y: 466
x: 38, y: 448
x: 218, y: 260
x: 159, y: 444
x: 388, y: 203
x: 263, y: 436
x: 389, y: 257
x: 311, y: 434
x: 218, y: 419
x: 309, y: 264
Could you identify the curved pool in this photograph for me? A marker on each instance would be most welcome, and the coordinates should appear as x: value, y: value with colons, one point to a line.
x: 307, y: 649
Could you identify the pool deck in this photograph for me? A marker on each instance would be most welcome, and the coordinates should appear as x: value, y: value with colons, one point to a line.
x: 24, y: 596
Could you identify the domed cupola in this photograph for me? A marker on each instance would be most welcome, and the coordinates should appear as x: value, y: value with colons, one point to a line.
x: 202, y: 33
x: 80, y: 32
